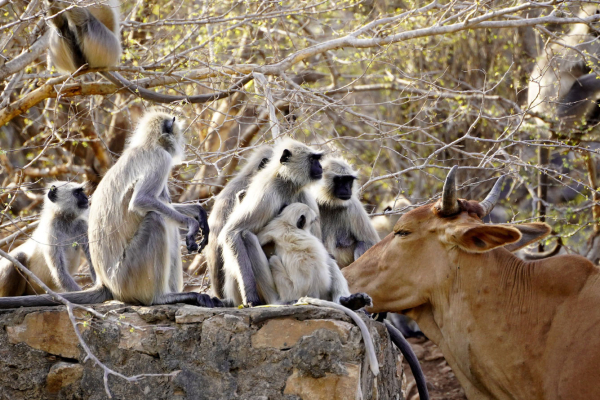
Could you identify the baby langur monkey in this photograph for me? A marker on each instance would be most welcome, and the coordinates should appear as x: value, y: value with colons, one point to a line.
x: 134, y: 243
x: 88, y: 33
x: 301, y: 265
x: 346, y: 228
x: 52, y: 253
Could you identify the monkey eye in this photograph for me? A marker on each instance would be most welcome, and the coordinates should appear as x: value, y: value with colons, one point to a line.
x: 402, y: 233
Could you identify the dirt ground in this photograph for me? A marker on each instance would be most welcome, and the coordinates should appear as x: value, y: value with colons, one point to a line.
x: 441, y: 381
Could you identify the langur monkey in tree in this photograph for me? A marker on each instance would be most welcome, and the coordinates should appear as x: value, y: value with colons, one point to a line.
x: 293, y: 167
x: 52, y: 253
x: 346, y: 228
x: 564, y: 84
x: 132, y: 225
x: 222, y: 208
x: 89, y: 34
x: 301, y: 265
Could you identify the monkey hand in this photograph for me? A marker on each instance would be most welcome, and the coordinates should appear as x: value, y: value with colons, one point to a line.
x: 190, y: 238
x: 356, y: 301
x: 205, y: 300
x: 202, y: 219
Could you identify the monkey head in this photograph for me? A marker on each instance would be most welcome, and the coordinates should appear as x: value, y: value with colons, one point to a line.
x: 67, y: 198
x: 298, y: 215
x: 337, y: 186
x: 160, y: 129
x: 296, y: 162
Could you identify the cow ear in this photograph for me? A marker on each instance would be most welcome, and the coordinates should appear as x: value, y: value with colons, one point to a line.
x: 530, y: 233
x: 482, y: 238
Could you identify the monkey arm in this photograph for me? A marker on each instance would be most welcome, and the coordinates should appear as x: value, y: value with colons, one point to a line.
x: 57, y: 263
x: 283, y: 283
x: 145, y: 199
x: 339, y: 285
x: 85, y: 247
x: 199, y: 213
x: 362, y: 229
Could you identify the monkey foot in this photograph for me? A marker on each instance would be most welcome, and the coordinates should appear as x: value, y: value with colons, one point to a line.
x: 205, y: 300
x: 356, y: 301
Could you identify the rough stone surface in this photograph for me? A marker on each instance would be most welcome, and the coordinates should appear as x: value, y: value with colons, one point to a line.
x: 295, y: 352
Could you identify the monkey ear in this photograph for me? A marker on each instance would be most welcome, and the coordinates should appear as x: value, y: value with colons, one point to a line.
x: 53, y: 194
x: 285, y: 156
x: 169, y: 125
x: 387, y: 209
x: 301, y: 222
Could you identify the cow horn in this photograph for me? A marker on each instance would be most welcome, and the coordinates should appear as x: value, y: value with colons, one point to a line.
x: 492, y: 198
x: 449, y: 201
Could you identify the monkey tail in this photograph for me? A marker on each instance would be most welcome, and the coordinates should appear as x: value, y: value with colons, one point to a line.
x: 146, y: 94
x: 91, y: 296
x: 411, y: 358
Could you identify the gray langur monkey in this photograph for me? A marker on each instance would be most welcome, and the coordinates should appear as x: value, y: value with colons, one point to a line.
x: 564, y: 85
x: 301, y: 265
x: 133, y: 227
x: 89, y: 34
x: 222, y: 208
x: 52, y: 252
x: 293, y: 167
x: 345, y: 225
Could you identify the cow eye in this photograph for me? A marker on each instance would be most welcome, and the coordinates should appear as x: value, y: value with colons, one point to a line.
x: 402, y: 233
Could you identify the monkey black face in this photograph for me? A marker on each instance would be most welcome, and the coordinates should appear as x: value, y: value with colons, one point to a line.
x: 316, y: 171
x: 53, y: 194
x: 81, y: 198
x: 342, y: 186
x: 301, y: 222
x: 168, y: 125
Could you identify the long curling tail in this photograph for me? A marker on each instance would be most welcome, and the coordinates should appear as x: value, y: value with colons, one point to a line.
x: 146, y: 94
x: 411, y: 358
x: 91, y: 296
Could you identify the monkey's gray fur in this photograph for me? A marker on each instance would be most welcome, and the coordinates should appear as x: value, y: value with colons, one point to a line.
x: 84, y: 35
x: 301, y: 265
x: 53, y: 250
x: 89, y: 34
x: 562, y: 84
x: 293, y: 167
x: 345, y: 225
x: 222, y: 208
x: 133, y: 234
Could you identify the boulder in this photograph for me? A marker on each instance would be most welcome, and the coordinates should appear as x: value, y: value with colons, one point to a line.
x: 291, y: 352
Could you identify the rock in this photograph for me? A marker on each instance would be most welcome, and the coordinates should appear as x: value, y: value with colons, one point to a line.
x: 285, y: 332
x: 419, y: 350
x: 287, y: 353
x: 330, y: 387
x: 63, y: 374
x: 49, y: 331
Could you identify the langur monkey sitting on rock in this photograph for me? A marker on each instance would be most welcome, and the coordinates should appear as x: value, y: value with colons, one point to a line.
x: 301, y: 265
x: 223, y: 207
x: 52, y: 253
x: 346, y: 228
x: 283, y: 180
x: 133, y: 234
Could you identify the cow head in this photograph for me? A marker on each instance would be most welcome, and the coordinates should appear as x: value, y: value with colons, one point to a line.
x: 410, y: 266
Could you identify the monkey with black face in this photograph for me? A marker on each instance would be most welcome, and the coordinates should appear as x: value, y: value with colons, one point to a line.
x: 222, y: 208
x: 283, y: 180
x: 52, y: 253
x: 346, y: 227
x: 89, y: 34
x: 564, y: 85
x: 133, y: 227
x: 301, y: 265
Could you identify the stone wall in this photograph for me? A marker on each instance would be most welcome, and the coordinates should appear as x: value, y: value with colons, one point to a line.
x: 300, y: 352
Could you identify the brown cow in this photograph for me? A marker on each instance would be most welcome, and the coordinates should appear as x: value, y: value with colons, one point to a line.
x: 510, y: 329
